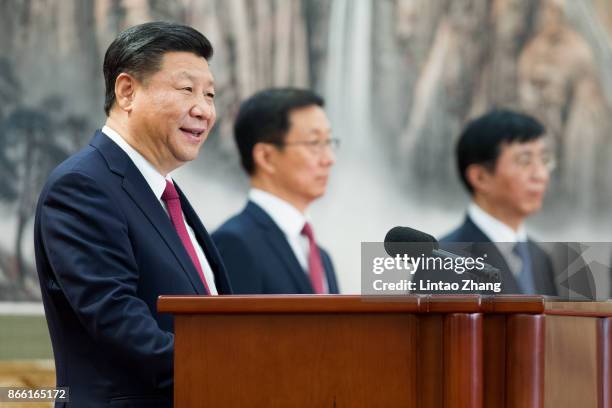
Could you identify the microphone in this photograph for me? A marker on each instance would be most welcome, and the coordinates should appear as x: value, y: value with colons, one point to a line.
x: 406, y: 240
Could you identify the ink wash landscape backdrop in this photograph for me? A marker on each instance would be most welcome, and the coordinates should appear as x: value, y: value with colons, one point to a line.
x: 400, y: 78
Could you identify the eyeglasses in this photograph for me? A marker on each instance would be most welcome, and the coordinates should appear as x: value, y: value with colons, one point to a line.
x: 527, y: 161
x: 315, y: 146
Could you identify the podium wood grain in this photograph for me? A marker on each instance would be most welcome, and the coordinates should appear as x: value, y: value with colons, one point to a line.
x: 413, y: 351
x: 297, y: 360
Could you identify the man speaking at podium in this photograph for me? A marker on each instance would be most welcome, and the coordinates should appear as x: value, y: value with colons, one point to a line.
x: 113, y: 231
x: 283, y: 137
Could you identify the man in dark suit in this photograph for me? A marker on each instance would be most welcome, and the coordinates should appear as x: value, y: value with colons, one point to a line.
x: 113, y: 231
x: 504, y: 163
x: 283, y: 137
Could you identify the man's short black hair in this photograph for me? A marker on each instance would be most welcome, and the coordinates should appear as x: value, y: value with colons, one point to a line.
x: 483, y: 138
x: 264, y: 117
x: 139, y: 50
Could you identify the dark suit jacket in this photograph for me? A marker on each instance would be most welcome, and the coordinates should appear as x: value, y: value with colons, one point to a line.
x: 105, y: 250
x: 259, y: 259
x: 542, y: 268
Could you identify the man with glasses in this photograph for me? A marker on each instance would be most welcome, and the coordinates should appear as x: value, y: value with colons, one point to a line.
x: 505, y: 164
x: 285, y: 145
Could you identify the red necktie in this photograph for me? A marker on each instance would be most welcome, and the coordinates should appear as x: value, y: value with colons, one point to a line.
x: 315, y: 266
x: 171, y: 198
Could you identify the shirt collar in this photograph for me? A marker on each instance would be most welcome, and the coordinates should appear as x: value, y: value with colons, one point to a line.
x: 154, y: 179
x: 493, y: 228
x: 288, y: 218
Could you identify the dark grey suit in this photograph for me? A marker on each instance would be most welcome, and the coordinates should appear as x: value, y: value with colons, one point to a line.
x: 542, y: 268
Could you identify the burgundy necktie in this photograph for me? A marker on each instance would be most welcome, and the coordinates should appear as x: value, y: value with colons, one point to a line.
x: 315, y: 266
x: 171, y: 198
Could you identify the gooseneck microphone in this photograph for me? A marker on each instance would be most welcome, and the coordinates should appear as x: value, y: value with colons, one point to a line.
x: 408, y: 241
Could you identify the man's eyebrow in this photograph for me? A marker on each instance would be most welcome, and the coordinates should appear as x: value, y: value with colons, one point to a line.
x: 318, y: 130
x: 185, y: 74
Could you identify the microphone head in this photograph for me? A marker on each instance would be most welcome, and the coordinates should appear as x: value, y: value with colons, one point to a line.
x: 407, y: 234
x: 406, y: 240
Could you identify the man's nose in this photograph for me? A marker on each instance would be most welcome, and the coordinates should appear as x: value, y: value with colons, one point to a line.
x: 540, y: 171
x: 328, y: 156
x: 203, y: 109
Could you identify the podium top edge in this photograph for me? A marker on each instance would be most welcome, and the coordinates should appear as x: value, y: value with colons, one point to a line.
x: 279, y: 304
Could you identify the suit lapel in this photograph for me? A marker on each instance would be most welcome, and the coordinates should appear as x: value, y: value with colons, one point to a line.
x: 542, y: 274
x: 278, y: 242
x: 483, y: 245
x: 332, y: 285
x: 206, y: 243
x: 139, y: 191
x: 496, y: 259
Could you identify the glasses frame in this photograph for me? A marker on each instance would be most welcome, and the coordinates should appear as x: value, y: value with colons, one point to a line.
x: 314, y: 145
x: 547, y: 160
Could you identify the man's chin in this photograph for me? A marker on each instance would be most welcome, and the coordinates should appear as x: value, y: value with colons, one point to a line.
x: 189, y: 154
x: 532, y: 209
x: 316, y: 195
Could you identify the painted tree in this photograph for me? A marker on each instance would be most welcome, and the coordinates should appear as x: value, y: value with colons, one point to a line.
x: 30, y: 150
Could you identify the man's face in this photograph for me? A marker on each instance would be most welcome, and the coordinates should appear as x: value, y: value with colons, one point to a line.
x: 303, y: 164
x: 173, y: 111
x: 520, y: 178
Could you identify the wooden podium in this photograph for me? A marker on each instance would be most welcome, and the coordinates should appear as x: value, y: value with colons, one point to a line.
x: 412, y: 351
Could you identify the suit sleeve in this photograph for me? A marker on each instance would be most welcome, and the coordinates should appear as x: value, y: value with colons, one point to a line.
x: 238, y: 260
x: 87, y: 243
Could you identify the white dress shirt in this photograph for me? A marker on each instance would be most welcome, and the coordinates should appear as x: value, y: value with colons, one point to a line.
x: 498, y: 232
x: 157, y: 183
x: 291, y: 221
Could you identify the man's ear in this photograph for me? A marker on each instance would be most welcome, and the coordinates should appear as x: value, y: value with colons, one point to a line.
x: 264, y: 155
x: 479, y: 177
x: 125, y: 91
